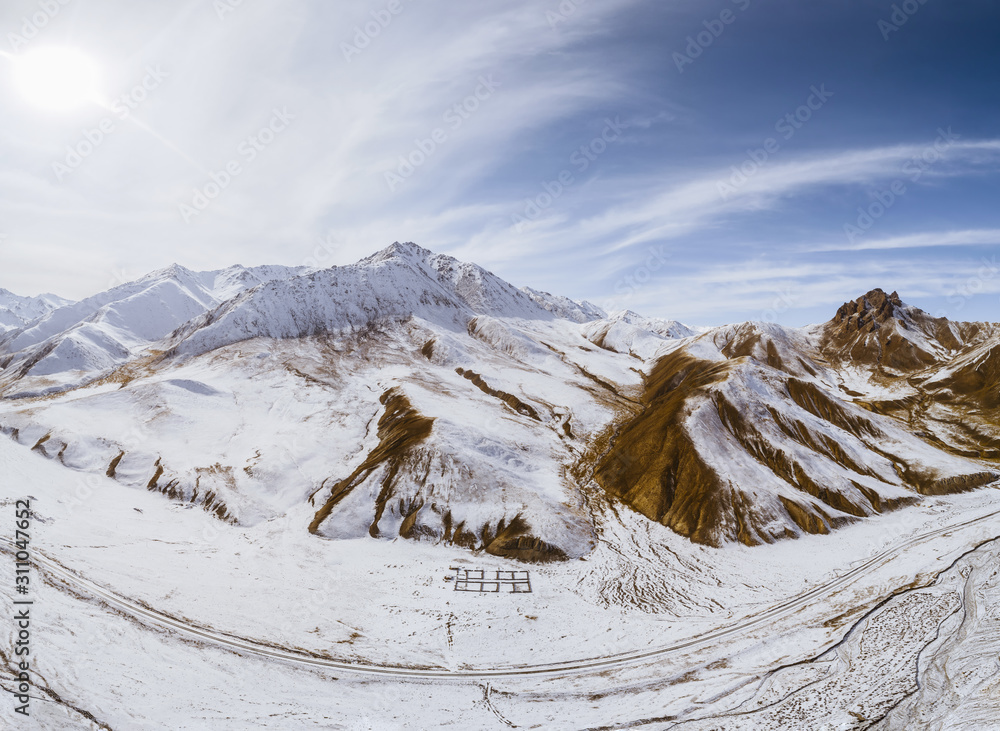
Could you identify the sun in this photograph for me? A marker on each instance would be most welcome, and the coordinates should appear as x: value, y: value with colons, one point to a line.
x: 57, y: 79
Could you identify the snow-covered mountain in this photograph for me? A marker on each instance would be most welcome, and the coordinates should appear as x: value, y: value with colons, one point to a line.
x: 412, y: 395
x: 17, y: 311
x: 746, y: 436
x: 630, y: 333
x: 566, y: 308
x: 69, y: 341
x: 402, y: 282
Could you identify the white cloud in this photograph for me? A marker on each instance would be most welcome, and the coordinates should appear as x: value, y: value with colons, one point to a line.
x: 352, y: 122
x: 926, y: 240
x: 354, y: 119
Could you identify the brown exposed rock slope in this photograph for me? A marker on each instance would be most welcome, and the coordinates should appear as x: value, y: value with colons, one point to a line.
x: 945, y: 376
x: 880, y: 329
x: 744, y: 437
x: 401, y: 474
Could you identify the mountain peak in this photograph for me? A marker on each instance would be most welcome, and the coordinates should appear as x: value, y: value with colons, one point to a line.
x: 880, y: 329
x: 407, y: 250
x: 871, y: 310
x: 174, y: 271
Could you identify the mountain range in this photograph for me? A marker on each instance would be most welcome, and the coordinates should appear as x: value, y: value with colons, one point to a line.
x: 414, y: 396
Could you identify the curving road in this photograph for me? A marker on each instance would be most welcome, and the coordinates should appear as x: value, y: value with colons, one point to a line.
x: 239, y: 644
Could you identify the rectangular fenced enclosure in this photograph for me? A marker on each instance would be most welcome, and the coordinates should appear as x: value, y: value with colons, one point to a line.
x: 491, y: 582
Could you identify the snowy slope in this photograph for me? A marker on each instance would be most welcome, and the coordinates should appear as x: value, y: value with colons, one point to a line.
x: 755, y: 636
x: 103, y: 331
x: 631, y: 333
x: 564, y: 307
x: 398, y: 283
x: 744, y: 437
x: 407, y: 395
x: 300, y: 465
x: 413, y: 395
x: 17, y: 311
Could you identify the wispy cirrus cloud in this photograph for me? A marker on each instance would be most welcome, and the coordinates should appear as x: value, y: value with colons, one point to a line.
x: 668, y: 210
x: 663, y: 191
x: 925, y: 240
x: 355, y: 117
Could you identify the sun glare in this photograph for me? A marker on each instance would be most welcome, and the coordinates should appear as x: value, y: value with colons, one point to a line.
x: 57, y: 79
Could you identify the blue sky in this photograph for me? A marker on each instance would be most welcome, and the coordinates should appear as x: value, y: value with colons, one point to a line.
x: 586, y: 148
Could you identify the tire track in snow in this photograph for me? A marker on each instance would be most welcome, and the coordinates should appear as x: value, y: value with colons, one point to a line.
x: 243, y: 645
